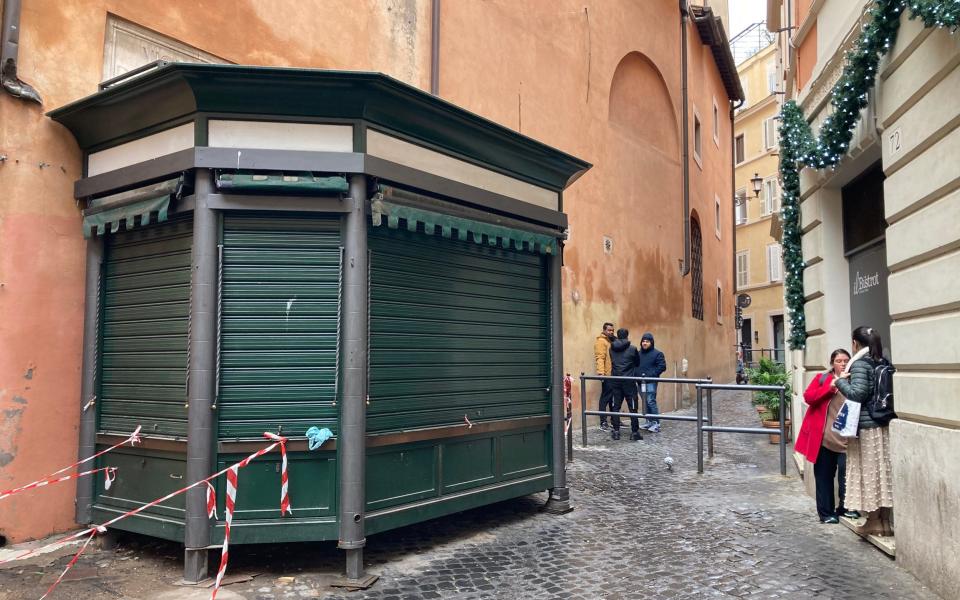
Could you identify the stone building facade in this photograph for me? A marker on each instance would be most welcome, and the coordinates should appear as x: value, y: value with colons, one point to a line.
x: 890, y: 272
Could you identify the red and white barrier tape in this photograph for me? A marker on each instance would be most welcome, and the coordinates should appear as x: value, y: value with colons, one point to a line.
x: 211, y: 501
x: 52, y: 477
x: 91, y: 531
x: 284, y: 480
x: 110, y: 476
x: 73, y: 561
x: 232, y: 477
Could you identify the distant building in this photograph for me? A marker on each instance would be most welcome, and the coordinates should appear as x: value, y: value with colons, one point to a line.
x: 758, y: 264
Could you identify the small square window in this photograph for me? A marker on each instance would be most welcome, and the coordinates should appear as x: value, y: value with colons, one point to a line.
x: 717, y: 214
x: 719, y: 303
x: 697, y: 140
x: 716, y: 123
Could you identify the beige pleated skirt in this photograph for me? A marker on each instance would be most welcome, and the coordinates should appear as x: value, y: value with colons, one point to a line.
x: 869, y: 478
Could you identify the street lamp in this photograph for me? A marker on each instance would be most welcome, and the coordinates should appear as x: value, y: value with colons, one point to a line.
x: 757, y: 182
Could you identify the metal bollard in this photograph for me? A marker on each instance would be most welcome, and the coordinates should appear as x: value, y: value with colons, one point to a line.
x: 783, y: 434
x: 583, y: 409
x: 710, y: 422
x: 699, y: 430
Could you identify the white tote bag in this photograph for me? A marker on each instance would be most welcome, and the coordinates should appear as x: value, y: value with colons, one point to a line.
x: 847, y: 419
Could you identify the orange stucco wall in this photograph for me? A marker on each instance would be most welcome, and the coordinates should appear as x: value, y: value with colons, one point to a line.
x: 599, y: 79
x: 806, y: 58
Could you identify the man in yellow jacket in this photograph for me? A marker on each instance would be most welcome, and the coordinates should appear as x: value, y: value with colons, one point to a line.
x: 601, y: 354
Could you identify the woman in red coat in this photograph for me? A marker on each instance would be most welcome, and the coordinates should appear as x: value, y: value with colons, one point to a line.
x: 822, y: 448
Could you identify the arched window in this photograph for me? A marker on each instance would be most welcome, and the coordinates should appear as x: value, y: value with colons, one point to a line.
x: 696, y: 268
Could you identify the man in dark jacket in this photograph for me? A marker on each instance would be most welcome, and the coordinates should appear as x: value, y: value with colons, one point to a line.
x: 624, y: 358
x: 651, y: 364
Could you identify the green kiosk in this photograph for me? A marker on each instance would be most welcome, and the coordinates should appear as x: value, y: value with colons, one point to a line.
x: 277, y: 249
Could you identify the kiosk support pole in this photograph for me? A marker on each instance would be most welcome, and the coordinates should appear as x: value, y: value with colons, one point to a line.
x: 202, y: 375
x: 559, y: 501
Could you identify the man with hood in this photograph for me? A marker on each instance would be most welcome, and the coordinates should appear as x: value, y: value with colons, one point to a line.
x: 624, y: 358
x: 601, y: 353
x: 651, y: 364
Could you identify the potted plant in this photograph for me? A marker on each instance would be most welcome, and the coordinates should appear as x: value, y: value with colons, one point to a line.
x: 767, y: 402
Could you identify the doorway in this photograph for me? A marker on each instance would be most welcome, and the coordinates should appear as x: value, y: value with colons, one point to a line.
x: 864, y: 244
x: 746, y: 340
x: 776, y: 322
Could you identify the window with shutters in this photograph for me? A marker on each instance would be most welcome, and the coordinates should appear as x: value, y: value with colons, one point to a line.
x: 774, y: 268
x: 739, y: 150
x: 743, y: 269
x: 696, y: 268
x: 772, y: 77
x: 741, y: 203
x: 770, y: 133
x: 771, y: 196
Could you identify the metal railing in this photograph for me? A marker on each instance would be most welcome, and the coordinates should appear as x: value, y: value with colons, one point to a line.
x: 637, y: 415
x: 752, y: 356
x: 710, y: 428
x: 704, y: 423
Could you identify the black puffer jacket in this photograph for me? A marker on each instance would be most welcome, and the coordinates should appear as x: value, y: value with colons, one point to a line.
x: 859, y: 388
x: 625, y: 357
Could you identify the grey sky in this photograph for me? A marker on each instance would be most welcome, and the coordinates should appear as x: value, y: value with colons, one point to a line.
x: 743, y: 13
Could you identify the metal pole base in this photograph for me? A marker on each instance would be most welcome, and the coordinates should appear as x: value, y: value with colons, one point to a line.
x: 196, y: 565
x: 107, y: 541
x: 355, y: 578
x: 559, y: 502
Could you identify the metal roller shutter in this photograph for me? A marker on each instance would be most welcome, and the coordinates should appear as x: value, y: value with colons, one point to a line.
x: 280, y: 297
x: 146, y: 305
x: 457, y: 329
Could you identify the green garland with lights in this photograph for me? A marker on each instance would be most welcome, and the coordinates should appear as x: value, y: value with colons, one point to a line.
x: 799, y: 148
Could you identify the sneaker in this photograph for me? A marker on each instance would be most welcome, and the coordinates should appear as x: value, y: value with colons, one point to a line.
x: 851, y: 514
x: 646, y: 426
x: 654, y: 428
x: 635, y: 436
x: 604, y: 426
x: 615, y: 435
x: 831, y: 520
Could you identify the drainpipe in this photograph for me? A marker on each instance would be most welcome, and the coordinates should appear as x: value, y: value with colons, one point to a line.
x: 559, y: 502
x: 8, y: 55
x: 733, y: 186
x: 351, y: 441
x: 435, y: 48
x: 685, y: 159
x: 203, y: 344
x: 88, y: 383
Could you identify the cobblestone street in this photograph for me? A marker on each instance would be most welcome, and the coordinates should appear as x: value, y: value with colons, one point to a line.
x: 639, y: 531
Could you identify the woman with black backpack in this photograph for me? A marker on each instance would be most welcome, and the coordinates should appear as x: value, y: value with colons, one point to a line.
x: 869, y: 478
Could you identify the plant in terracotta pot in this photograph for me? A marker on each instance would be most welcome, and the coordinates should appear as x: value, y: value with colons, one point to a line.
x: 768, y: 403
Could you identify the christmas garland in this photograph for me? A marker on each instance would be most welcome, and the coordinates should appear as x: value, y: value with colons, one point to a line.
x: 799, y: 148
